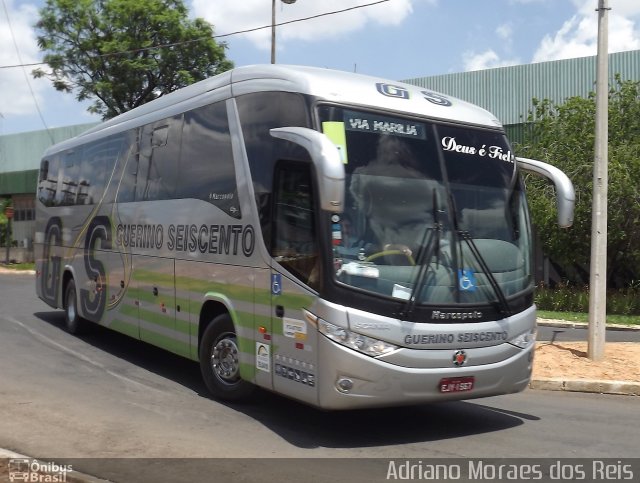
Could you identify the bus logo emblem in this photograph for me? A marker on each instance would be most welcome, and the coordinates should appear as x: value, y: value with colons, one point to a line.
x: 390, y: 90
x: 459, y: 358
x: 435, y: 98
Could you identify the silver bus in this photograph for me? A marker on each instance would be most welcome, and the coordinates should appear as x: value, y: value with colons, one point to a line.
x: 339, y: 239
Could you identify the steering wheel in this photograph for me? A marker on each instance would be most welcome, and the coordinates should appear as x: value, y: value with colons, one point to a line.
x: 393, y: 250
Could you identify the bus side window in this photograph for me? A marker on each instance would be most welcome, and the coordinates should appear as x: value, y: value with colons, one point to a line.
x: 259, y: 112
x: 48, y: 181
x: 159, y: 154
x: 70, y: 168
x: 207, y: 169
x: 294, y: 243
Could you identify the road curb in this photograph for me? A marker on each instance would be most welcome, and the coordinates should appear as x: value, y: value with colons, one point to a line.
x: 17, y: 272
x: 625, y: 388
x: 565, y: 324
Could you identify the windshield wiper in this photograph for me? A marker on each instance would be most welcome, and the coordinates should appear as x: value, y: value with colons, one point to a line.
x: 430, y: 245
x: 503, y: 305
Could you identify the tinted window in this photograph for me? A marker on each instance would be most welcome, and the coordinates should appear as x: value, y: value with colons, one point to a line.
x: 260, y: 112
x: 207, y: 171
x: 483, y: 181
x: 97, y: 165
x: 294, y: 242
x: 127, y: 170
x: 70, y: 170
x: 48, y: 182
x: 158, y: 159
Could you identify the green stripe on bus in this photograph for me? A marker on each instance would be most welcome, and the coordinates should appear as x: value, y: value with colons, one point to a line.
x: 165, y: 342
x: 234, y: 292
x: 125, y: 328
x: 248, y: 372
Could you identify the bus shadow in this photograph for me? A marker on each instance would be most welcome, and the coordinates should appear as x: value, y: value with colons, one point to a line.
x: 304, y: 426
x: 136, y: 352
x: 307, y: 427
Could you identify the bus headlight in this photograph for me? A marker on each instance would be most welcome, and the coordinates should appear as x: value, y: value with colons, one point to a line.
x: 525, y: 339
x: 361, y: 343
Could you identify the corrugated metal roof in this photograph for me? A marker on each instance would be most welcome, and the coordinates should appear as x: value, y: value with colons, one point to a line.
x: 507, y: 91
x: 23, y: 151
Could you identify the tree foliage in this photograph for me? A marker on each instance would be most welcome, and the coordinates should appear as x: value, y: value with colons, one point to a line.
x: 4, y: 221
x: 564, y: 135
x: 4, y: 202
x: 124, y: 53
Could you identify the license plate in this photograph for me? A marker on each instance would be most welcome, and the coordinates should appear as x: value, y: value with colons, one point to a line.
x: 456, y: 384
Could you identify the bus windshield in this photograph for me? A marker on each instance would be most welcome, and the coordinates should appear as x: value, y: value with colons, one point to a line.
x: 434, y: 214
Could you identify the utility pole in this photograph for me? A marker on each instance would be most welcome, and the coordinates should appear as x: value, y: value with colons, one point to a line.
x: 598, y: 268
x: 273, y: 27
x: 273, y: 31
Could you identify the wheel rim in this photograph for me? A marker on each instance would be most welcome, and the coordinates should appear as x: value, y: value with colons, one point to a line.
x: 224, y: 359
x: 71, y: 305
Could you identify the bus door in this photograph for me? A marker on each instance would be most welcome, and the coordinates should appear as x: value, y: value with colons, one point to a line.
x: 294, y: 276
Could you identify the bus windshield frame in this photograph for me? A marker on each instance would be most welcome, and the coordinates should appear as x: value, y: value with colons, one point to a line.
x: 435, y: 213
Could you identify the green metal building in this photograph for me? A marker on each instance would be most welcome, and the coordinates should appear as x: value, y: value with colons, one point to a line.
x: 19, y: 166
x: 506, y: 92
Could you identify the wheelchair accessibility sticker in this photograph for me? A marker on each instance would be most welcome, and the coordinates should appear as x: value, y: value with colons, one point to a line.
x: 467, y: 280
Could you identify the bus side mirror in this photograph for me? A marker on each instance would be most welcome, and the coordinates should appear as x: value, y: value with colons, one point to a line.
x: 326, y: 159
x: 565, y: 195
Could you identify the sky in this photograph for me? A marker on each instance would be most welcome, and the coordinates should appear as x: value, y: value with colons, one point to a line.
x: 393, y: 39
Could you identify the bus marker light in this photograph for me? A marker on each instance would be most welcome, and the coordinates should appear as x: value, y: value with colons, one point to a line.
x: 344, y: 385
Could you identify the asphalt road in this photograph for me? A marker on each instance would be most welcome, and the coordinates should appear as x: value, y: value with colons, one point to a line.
x: 105, y: 396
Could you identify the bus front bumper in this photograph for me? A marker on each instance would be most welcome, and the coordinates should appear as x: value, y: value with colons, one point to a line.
x: 348, y: 379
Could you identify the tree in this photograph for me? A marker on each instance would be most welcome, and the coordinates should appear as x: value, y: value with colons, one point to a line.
x: 124, y: 53
x: 4, y: 221
x: 564, y: 135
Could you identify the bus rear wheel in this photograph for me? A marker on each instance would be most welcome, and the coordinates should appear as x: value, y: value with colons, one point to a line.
x: 220, y: 361
x: 73, y: 323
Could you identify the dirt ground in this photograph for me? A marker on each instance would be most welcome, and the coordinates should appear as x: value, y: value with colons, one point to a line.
x: 569, y: 361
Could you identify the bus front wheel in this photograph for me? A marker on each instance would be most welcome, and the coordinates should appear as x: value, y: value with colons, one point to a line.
x: 220, y: 361
x: 73, y: 323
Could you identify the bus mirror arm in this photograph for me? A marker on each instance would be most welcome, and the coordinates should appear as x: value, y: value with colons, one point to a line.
x: 326, y: 159
x: 565, y: 194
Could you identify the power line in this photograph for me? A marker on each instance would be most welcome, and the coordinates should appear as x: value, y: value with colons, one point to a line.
x: 185, y: 42
x: 302, y: 19
x: 26, y: 77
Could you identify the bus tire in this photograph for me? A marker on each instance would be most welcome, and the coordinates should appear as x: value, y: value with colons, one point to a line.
x: 220, y: 363
x: 73, y: 323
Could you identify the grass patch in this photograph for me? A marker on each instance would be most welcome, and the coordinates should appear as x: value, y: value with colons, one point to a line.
x: 19, y: 266
x: 571, y: 299
x: 583, y: 317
